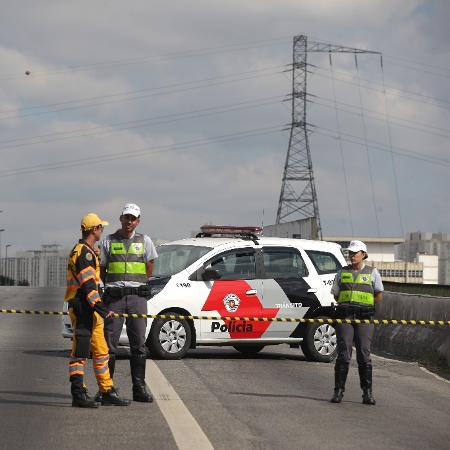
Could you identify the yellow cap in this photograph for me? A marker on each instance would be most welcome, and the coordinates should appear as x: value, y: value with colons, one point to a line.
x: 91, y: 220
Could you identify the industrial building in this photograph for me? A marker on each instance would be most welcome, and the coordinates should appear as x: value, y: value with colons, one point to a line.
x: 418, y: 267
x: 426, y: 244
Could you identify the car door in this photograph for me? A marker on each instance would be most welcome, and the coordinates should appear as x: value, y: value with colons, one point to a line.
x: 237, y: 293
x: 290, y: 284
x: 326, y: 265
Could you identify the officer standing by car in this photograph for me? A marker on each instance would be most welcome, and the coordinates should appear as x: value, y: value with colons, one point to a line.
x: 357, y: 289
x: 126, y: 264
x: 86, y: 311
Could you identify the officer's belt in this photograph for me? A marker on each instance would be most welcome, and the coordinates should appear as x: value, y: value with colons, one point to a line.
x: 344, y: 310
x: 117, y: 292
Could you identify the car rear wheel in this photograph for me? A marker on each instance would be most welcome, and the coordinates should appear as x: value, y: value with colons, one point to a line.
x: 169, y: 338
x: 320, y: 343
x: 248, y: 349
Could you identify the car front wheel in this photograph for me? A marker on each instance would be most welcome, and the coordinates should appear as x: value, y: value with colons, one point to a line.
x: 169, y: 338
x: 320, y: 343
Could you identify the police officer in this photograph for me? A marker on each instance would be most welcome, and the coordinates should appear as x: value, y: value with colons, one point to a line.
x: 127, y: 263
x: 86, y: 311
x: 357, y: 288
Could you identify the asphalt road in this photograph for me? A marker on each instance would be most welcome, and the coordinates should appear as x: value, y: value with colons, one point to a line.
x: 275, y: 400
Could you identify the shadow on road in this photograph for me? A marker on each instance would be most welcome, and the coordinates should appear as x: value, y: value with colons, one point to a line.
x: 326, y: 400
x: 64, y: 403
x: 56, y: 353
x: 231, y: 354
x: 199, y: 353
x: 66, y: 353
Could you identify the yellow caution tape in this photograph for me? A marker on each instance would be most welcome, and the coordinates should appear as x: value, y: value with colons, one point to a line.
x: 249, y: 319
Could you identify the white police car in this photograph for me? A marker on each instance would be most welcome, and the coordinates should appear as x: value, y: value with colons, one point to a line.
x: 233, y: 272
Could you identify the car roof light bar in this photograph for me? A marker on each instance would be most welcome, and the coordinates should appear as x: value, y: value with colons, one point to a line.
x: 248, y: 232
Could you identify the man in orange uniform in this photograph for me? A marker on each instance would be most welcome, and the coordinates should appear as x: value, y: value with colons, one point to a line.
x: 87, y: 311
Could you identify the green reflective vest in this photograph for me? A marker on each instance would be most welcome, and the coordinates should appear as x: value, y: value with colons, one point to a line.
x: 126, y: 264
x: 356, y: 286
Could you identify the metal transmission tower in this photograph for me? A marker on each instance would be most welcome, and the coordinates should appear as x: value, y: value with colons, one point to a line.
x: 298, y: 195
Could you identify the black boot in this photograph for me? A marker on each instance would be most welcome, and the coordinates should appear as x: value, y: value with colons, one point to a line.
x: 340, y: 377
x: 365, y: 378
x: 112, y: 398
x: 80, y: 397
x: 111, y: 367
x: 140, y: 389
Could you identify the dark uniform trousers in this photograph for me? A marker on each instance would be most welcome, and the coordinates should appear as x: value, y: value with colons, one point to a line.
x: 136, y: 328
x: 361, y: 335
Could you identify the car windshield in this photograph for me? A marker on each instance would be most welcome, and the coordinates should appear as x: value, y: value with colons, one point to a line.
x: 175, y: 258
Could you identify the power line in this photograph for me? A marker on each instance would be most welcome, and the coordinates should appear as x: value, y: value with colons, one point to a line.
x: 391, y: 152
x: 132, y: 124
x: 394, y: 60
x: 434, y: 101
x: 363, y: 120
x: 372, y: 114
x: 168, y: 56
x: 139, y: 91
x: 382, y: 147
x: 140, y: 152
x: 341, y: 151
x: 200, y: 85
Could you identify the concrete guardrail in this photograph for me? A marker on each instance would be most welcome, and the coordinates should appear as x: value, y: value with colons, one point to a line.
x: 421, y: 343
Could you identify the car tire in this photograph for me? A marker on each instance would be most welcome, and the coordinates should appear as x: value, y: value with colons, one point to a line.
x: 319, y: 343
x: 169, y: 338
x: 248, y: 349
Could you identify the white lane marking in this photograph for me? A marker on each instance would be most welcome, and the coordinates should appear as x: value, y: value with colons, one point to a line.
x: 185, y: 429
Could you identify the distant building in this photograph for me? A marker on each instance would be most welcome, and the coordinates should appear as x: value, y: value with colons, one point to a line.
x: 421, y: 244
x: 379, y: 249
x: 297, y: 229
x: 46, y: 267
x: 430, y: 268
x: 418, y: 267
x: 381, y: 253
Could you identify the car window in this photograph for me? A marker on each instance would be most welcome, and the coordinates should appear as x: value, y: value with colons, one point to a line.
x: 239, y: 265
x: 283, y: 263
x: 175, y: 258
x: 324, y: 262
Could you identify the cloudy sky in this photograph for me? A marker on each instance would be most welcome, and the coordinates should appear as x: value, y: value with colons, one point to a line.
x: 183, y: 107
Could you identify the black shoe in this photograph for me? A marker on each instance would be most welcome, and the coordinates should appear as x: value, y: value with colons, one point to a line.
x: 112, y: 398
x: 82, y: 400
x: 111, y: 367
x: 337, y: 396
x: 141, y: 394
x: 365, y: 377
x: 367, y: 397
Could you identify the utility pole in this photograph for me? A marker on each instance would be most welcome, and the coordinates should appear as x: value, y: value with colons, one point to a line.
x: 6, y: 260
x: 1, y: 265
x: 298, y: 196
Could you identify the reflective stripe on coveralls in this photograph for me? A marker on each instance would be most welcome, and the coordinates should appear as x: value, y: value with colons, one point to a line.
x: 100, y: 354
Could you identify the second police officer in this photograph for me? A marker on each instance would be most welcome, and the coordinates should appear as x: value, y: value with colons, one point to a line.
x: 357, y: 288
x: 126, y: 264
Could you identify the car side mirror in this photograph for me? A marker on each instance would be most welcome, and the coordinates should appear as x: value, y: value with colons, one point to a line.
x: 210, y: 274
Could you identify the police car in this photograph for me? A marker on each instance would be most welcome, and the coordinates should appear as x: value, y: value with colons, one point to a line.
x: 230, y: 271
